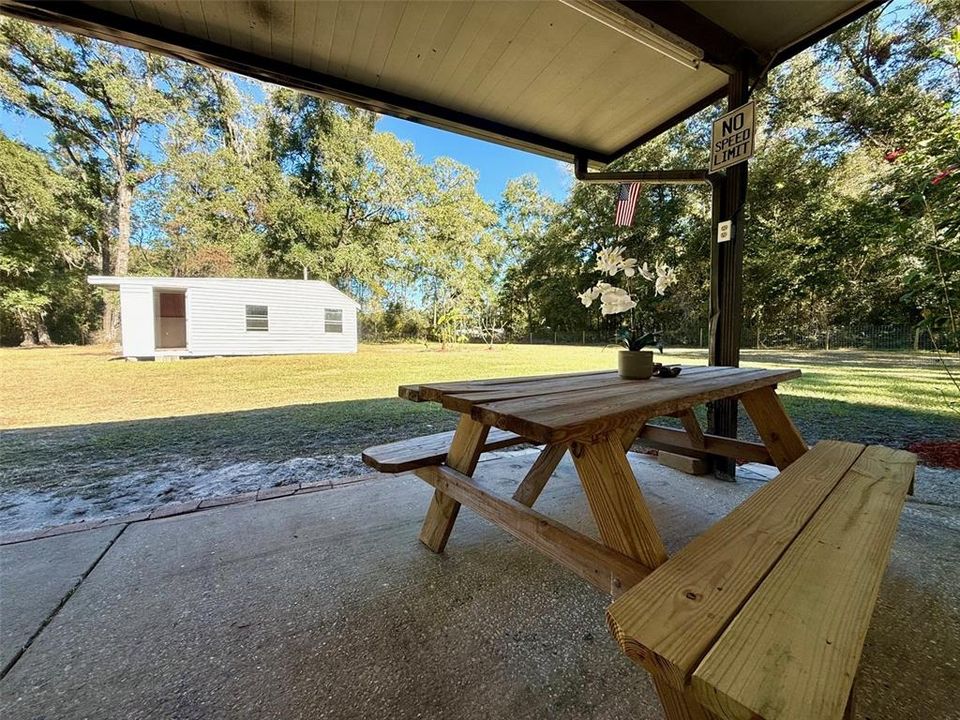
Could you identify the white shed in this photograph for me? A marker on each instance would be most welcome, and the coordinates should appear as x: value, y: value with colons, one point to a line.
x: 188, y: 317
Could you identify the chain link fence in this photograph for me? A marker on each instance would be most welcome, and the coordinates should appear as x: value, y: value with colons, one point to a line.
x: 848, y: 337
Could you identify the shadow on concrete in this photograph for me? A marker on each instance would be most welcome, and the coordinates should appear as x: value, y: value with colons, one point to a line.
x: 326, y: 606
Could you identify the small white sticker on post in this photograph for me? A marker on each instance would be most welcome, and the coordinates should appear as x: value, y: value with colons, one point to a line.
x: 724, y: 231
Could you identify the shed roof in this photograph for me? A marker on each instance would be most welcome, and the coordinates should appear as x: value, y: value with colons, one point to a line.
x: 565, y: 78
x: 114, y: 282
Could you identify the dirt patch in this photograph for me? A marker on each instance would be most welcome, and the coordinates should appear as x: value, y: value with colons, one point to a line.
x: 94, y: 497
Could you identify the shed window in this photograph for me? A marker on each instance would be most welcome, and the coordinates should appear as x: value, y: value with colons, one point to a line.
x: 333, y: 321
x: 257, y: 318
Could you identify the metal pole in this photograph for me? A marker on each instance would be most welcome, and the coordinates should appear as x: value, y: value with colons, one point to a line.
x: 726, y: 293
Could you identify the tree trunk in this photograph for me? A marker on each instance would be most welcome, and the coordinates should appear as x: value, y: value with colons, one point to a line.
x: 124, y: 213
x: 26, y: 324
x: 116, y: 260
x: 43, y: 334
x: 105, y: 333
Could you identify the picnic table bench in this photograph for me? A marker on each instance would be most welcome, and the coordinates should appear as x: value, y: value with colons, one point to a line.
x: 765, y: 614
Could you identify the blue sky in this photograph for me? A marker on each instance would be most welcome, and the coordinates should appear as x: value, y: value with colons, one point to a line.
x: 495, y: 164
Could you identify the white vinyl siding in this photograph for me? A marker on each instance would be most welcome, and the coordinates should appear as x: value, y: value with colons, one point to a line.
x: 333, y: 321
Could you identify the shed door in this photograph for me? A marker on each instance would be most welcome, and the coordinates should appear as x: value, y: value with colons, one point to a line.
x: 171, y: 320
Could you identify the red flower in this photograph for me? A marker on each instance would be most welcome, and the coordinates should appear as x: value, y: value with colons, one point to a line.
x: 891, y: 155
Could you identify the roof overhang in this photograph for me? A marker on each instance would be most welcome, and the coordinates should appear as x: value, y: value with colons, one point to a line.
x: 588, y: 79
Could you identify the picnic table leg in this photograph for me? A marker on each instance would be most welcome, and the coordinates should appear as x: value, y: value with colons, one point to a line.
x: 615, y: 500
x: 465, y: 449
x: 625, y: 525
x: 538, y: 474
x: 776, y: 429
x: 693, y: 429
x: 629, y: 435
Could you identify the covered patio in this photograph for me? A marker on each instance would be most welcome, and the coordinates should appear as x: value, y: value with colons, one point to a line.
x: 323, y: 605
x: 583, y: 81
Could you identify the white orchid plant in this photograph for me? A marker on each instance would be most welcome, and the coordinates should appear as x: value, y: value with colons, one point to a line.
x: 615, y: 300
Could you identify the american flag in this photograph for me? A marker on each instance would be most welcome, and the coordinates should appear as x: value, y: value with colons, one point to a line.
x: 626, y: 203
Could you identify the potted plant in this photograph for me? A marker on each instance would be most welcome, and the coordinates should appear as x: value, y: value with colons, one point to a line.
x: 634, y: 362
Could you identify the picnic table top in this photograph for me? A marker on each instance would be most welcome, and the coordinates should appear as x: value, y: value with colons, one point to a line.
x: 562, y: 408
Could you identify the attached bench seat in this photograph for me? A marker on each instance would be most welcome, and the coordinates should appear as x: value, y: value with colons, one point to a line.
x: 764, y: 616
x: 427, y: 450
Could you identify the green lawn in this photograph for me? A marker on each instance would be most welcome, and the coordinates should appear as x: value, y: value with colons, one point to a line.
x: 84, y: 385
x: 76, y: 423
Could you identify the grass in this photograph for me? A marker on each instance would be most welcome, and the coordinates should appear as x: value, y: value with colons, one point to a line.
x: 84, y: 385
x: 77, y: 423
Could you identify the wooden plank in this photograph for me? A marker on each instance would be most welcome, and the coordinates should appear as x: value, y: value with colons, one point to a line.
x: 410, y: 392
x: 670, y: 621
x: 417, y: 452
x: 568, y: 416
x: 664, y: 438
x: 683, y: 463
x: 539, y: 473
x: 435, y: 391
x: 550, y: 392
x: 679, y: 704
x: 777, y: 430
x: 464, y: 402
x: 464, y: 452
x: 692, y: 426
x: 792, y: 652
x: 616, y: 502
x: 605, y: 568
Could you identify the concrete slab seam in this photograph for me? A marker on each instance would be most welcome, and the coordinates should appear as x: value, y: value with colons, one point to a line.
x: 63, y: 601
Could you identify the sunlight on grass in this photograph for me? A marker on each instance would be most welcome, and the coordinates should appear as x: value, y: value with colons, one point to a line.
x: 80, y: 385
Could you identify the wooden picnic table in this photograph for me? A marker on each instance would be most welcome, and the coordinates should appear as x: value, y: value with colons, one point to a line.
x: 793, y: 572
x: 596, y: 416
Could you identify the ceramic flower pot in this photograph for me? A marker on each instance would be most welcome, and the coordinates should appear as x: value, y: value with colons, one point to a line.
x: 635, y: 364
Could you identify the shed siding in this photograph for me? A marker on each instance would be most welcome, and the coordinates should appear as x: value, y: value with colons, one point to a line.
x: 217, y: 319
x: 136, y: 321
x: 216, y: 315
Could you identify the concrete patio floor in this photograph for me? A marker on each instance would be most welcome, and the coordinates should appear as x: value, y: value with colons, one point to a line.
x: 324, y: 605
